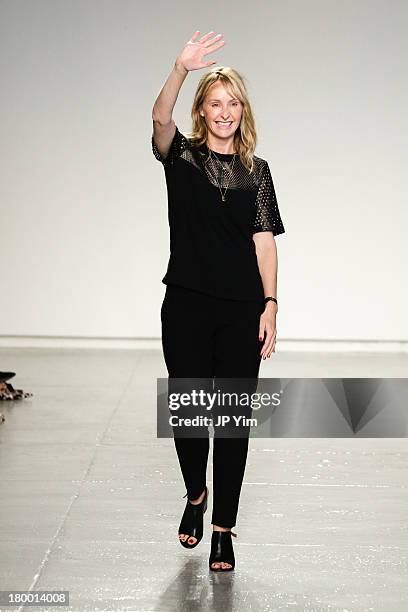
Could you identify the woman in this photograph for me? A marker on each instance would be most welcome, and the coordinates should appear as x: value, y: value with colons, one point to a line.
x: 219, y: 311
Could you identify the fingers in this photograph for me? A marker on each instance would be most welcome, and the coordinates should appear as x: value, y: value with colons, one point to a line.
x: 269, y: 345
x: 205, y: 42
x: 272, y: 347
x: 211, y: 44
x: 206, y: 37
x: 213, y: 47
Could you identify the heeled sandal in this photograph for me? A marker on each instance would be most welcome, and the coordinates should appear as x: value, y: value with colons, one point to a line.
x: 192, y: 520
x: 222, y: 550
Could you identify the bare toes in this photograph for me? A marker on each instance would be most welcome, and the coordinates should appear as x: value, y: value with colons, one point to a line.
x: 184, y: 537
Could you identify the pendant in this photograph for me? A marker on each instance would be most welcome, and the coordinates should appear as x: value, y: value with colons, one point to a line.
x: 223, y: 198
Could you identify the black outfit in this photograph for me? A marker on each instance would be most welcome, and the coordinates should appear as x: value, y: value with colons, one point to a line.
x: 211, y: 245
x: 214, y: 297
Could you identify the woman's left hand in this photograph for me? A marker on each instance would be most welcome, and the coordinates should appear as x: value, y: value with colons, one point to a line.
x: 267, y: 325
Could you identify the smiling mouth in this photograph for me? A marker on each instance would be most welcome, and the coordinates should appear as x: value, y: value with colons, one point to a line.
x: 224, y: 124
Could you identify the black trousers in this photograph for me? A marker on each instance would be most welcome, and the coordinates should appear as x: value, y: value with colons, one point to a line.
x: 206, y: 336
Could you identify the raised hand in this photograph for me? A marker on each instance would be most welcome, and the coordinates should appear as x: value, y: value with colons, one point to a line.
x: 192, y: 55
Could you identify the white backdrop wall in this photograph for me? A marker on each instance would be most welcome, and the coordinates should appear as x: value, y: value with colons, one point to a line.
x: 84, y: 240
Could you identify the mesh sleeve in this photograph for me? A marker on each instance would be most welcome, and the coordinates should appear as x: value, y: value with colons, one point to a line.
x: 178, y: 145
x: 267, y: 216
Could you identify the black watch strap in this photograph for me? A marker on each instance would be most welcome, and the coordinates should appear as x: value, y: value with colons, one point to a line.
x: 269, y: 298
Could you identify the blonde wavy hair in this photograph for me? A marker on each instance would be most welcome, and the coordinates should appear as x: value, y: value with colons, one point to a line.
x: 245, y: 137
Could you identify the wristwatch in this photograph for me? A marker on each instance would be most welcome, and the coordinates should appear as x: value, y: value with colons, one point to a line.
x: 269, y: 298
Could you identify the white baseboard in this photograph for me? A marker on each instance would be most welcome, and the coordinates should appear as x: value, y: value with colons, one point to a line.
x: 283, y: 345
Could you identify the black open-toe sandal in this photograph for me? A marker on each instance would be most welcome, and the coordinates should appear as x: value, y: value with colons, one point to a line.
x: 222, y: 550
x: 192, y: 521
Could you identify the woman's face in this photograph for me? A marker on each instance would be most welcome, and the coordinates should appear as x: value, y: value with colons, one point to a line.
x: 221, y: 110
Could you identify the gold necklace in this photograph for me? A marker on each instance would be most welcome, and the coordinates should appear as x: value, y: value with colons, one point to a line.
x: 223, y: 167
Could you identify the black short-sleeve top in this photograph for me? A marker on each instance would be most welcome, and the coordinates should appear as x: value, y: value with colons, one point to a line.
x: 211, y: 242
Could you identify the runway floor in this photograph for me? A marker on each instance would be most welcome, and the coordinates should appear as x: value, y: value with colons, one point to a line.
x: 91, y: 499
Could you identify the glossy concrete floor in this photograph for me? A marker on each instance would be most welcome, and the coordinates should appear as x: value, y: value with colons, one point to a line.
x: 91, y: 499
